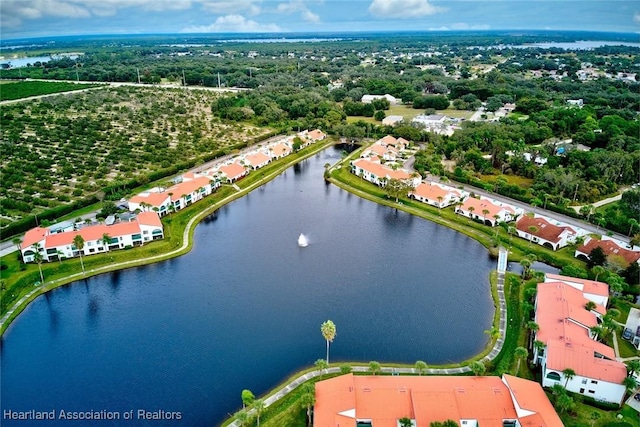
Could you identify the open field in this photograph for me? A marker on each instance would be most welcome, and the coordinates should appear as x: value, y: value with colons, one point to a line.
x: 73, y: 147
x: 408, y: 113
x: 24, y: 89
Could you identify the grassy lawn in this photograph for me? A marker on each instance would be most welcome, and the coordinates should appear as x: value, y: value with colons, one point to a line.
x: 25, y: 89
x: 520, y: 181
x: 408, y: 113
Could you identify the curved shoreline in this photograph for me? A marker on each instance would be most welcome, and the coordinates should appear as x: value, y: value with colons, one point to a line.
x: 187, y: 242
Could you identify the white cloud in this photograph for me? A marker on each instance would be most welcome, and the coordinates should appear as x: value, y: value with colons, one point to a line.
x: 233, y: 24
x: 465, y: 26
x: 14, y: 12
x: 403, y: 8
x: 295, y: 6
x: 231, y: 7
x: 636, y: 17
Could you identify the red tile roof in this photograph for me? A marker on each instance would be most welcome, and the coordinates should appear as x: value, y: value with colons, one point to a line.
x: 149, y: 218
x: 530, y: 396
x: 432, y: 191
x: 385, y: 399
x: 257, y: 159
x: 281, y: 149
x: 587, y: 286
x: 609, y: 247
x: 381, y: 171
x: 233, y: 171
x: 480, y: 205
x: 154, y: 199
x: 187, y: 187
x: 543, y: 228
x: 316, y: 134
x: 33, y: 236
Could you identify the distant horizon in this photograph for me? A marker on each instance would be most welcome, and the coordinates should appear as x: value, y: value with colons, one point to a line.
x: 606, y: 35
x: 26, y: 19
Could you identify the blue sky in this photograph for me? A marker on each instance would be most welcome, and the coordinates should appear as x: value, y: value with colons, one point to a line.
x: 32, y: 18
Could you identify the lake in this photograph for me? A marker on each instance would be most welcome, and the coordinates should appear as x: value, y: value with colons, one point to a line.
x: 243, y: 309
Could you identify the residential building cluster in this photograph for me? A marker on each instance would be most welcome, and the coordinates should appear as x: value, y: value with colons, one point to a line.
x: 381, y: 401
x: 98, y: 238
x: 57, y: 242
x: 567, y: 310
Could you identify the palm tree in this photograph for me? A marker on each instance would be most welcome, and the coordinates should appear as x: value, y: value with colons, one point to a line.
x: 328, y: 330
x: 526, y: 265
x: 569, y: 374
x: 630, y: 383
x: 18, y: 242
x: 421, y: 367
x: 37, y: 257
x: 259, y: 406
x: 538, y: 346
x: 520, y: 353
x: 106, y: 239
x: 485, y: 212
x: 374, y: 367
x: 471, y: 209
x: 590, y: 305
x: 247, y: 398
x: 532, y: 229
x: 477, y: 368
x: 633, y: 366
x: 308, y: 399
x: 494, y: 333
x: 345, y: 368
x: 321, y: 365
x: 78, y: 241
x: 242, y: 417
x: 632, y: 223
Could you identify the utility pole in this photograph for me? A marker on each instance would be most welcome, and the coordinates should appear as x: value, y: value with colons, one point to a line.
x: 138, y: 71
x: 184, y: 80
x: 576, y: 193
x: 77, y: 78
x: 218, y: 80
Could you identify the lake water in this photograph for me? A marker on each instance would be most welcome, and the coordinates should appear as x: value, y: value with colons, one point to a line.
x: 243, y: 309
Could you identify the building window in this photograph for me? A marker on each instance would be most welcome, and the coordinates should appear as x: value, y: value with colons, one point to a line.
x: 581, y: 390
x: 594, y: 382
x: 553, y: 376
x: 584, y: 381
x: 592, y: 391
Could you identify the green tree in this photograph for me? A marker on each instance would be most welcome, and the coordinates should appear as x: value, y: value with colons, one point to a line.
x: 569, y: 374
x: 78, y: 242
x: 247, y: 398
x: 321, y: 365
x: 477, y: 368
x: 633, y: 366
x: 258, y: 406
x: 308, y: 399
x: 38, y: 258
x: 242, y: 417
x: 590, y: 305
x: 374, y: 367
x: 405, y: 422
x: 328, y: 330
x: 345, y: 368
x: 396, y: 188
x: 379, y: 115
x: 597, y: 270
x: 520, y: 353
x: 421, y: 367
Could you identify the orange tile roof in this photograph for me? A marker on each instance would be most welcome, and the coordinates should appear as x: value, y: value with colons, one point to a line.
x: 544, y: 229
x: 92, y: 233
x: 34, y: 235
x: 149, y: 218
x: 564, y: 327
x: 479, y: 205
x: 432, y: 191
x: 257, y: 159
x: 530, y: 396
x: 587, y: 286
x: 154, y: 199
x: 385, y: 399
x: 388, y: 140
x: 380, y: 170
x: 281, y: 149
x: 609, y: 247
x: 187, y: 187
x: 316, y: 134
x: 583, y: 360
x: 232, y: 171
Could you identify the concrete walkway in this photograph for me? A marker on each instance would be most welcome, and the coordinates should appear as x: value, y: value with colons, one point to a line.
x: 47, y: 286
x: 502, y: 306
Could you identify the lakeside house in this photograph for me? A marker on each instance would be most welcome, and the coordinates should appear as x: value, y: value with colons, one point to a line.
x: 257, y: 160
x: 488, y: 210
x: 373, y: 171
x: 547, y: 232
x: 191, y: 188
x: 392, y: 120
x: 611, y: 248
x: 438, y: 195
x: 381, y: 401
x: 99, y: 238
x: 568, y: 340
